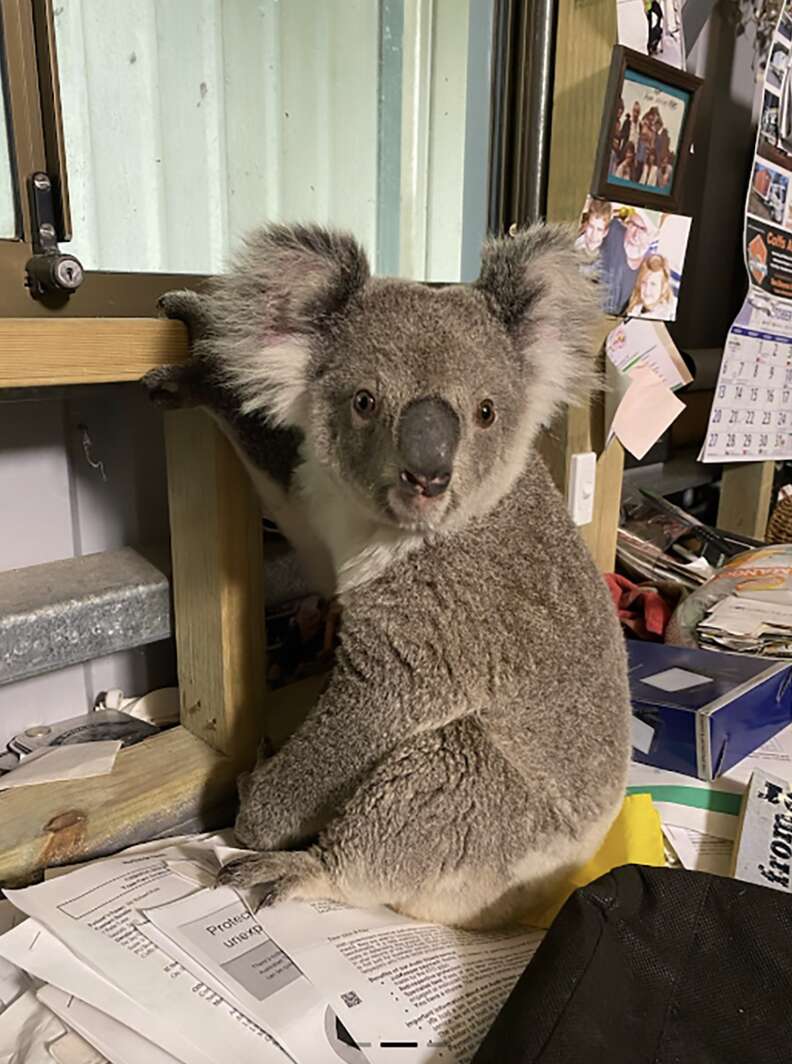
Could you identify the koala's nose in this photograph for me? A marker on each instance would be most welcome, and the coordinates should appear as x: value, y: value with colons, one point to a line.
x: 428, y: 436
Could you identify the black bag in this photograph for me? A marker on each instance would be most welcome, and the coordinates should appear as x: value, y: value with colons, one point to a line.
x: 655, y: 966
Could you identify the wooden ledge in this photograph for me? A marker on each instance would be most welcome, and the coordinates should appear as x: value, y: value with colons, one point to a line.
x: 170, y: 783
x: 35, y: 353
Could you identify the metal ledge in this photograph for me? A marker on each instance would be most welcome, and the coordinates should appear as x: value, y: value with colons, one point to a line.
x: 65, y: 612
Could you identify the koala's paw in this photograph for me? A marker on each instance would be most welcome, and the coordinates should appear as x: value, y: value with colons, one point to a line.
x: 274, y: 876
x: 171, y: 386
x: 187, y: 306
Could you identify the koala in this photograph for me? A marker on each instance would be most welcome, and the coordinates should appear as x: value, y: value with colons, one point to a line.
x: 470, y: 747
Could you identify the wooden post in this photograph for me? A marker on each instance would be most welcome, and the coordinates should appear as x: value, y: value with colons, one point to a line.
x: 216, y: 543
x: 586, y: 33
x: 585, y: 37
x: 745, y: 498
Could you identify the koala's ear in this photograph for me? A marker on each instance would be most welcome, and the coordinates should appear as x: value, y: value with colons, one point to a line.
x: 534, y: 286
x: 284, y: 286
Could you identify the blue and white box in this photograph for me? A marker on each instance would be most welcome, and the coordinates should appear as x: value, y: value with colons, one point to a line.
x: 702, y: 711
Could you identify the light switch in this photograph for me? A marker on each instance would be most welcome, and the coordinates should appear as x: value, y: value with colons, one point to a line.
x: 582, y: 484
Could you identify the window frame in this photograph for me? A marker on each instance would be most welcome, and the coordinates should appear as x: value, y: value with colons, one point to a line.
x: 37, y: 143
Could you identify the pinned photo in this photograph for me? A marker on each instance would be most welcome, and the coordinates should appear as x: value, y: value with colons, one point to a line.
x: 646, y: 145
x: 646, y: 132
x: 653, y: 27
x: 777, y: 64
x: 636, y: 255
x: 775, y: 129
x: 768, y: 195
x: 768, y: 120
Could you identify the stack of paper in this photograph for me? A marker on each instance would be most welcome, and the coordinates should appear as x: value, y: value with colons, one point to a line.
x: 136, y: 960
x: 747, y: 624
x: 700, y: 819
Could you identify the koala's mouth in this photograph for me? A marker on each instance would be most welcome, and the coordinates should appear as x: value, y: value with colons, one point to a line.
x: 410, y: 510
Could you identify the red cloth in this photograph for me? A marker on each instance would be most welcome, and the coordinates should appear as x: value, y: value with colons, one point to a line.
x: 641, y: 609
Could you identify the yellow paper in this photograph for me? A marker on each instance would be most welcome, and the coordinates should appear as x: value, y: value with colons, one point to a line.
x: 634, y: 838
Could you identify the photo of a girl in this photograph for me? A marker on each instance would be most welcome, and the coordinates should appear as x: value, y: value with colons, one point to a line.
x: 653, y: 296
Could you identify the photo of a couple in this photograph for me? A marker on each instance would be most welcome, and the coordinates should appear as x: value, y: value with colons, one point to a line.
x: 637, y: 256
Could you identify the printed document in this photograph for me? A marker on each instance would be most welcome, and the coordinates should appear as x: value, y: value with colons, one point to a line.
x: 398, y: 983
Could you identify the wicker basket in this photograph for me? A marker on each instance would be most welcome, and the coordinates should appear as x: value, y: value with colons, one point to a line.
x: 779, y: 527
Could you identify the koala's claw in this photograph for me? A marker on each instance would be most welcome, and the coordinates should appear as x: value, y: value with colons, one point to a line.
x: 275, y: 876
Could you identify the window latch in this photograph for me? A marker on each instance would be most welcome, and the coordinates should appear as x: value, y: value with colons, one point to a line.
x: 50, y: 272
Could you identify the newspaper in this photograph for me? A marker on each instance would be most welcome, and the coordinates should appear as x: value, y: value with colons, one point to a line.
x: 398, y: 983
x: 753, y: 626
x: 94, y: 912
x: 762, y: 851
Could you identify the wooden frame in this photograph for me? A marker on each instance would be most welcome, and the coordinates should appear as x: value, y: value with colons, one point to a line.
x: 655, y: 75
x: 184, y: 778
x: 35, y: 353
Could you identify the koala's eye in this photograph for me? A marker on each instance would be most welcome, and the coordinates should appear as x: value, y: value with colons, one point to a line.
x: 364, y: 403
x: 485, y: 415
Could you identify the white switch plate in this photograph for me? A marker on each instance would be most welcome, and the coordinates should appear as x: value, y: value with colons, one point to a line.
x: 582, y: 483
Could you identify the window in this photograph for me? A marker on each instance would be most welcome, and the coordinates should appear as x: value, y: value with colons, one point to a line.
x: 8, y: 205
x: 187, y: 122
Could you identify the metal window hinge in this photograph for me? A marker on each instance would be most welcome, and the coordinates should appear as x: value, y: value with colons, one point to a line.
x: 50, y: 271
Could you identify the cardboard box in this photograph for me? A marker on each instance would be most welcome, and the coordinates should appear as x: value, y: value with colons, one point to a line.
x: 702, y: 711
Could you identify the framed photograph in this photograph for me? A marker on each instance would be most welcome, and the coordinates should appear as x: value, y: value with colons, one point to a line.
x: 650, y: 109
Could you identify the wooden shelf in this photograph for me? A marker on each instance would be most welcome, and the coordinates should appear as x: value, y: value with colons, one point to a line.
x: 37, y: 353
x: 170, y: 783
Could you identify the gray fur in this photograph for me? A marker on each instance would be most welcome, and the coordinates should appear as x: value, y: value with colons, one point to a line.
x: 472, y: 743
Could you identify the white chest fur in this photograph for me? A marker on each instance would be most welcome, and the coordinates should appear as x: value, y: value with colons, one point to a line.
x: 360, y: 548
x: 339, y: 545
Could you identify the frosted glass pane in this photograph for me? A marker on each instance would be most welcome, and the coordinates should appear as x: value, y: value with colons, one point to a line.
x: 8, y: 224
x: 188, y: 122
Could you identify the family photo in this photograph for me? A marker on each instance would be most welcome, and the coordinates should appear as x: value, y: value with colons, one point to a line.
x: 637, y: 256
x: 646, y: 134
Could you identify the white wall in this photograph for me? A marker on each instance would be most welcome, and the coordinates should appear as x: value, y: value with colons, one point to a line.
x: 189, y: 121
x: 56, y: 505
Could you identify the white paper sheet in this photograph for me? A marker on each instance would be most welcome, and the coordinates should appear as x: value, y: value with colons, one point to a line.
x: 394, y: 980
x: 638, y: 342
x: 31, y: 1034
x: 53, y: 763
x: 13, y: 981
x: 700, y: 852
x: 646, y: 411
x: 118, y: 1043
x: 49, y: 960
x: 215, y: 930
x: 95, y: 913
